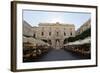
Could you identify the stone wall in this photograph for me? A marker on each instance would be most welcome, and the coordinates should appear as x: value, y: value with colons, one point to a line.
x: 27, y: 29
x: 84, y: 27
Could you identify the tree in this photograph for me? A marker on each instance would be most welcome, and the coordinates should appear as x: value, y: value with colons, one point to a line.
x: 81, y: 36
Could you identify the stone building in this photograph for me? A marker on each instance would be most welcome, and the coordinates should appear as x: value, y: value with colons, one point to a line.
x: 27, y: 29
x: 84, y: 27
x: 54, y: 33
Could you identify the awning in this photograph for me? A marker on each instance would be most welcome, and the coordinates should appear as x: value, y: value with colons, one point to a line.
x: 86, y: 40
x: 34, y: 41
x: 80, y: 42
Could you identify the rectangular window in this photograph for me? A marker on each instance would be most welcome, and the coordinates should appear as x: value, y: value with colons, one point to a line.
x: 34, y: 35
x: 57, y: 33
x: 64, y: 34
x: 42, y: 33
x: 49, y: 33
x: 71, y: 33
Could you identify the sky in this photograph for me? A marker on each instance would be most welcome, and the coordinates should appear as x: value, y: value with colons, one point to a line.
x: 36, y: 17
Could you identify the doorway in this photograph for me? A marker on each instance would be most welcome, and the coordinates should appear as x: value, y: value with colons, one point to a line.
x: 57, y: 44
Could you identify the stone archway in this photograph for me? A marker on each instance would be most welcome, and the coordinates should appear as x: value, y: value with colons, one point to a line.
x: 49, y: 41
x: 57, y: 44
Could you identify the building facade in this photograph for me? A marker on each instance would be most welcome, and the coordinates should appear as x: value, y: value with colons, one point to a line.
x: 27, y: 29
x: 84, y: 27
x: 54, y: 33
